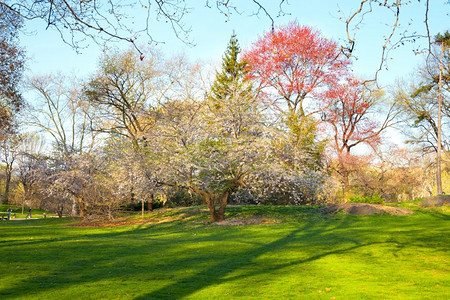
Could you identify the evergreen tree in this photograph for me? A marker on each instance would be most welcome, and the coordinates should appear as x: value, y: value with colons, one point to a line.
x: 231, y: 148
x: 231, y: 74
x: 232, y: 99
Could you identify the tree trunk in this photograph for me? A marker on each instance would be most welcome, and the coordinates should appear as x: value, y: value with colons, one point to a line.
x: 132, y: 196
x: 223, y: 204
x: 60, y: 211
x: 439, y: 137
x: 142, y: 208
x: 345, y: 180
x: 8, y: 172
x: 74, y: 208
x: 81, y: 206
x: 150, y: 202
x: 26, y: 193
x: 210, y: 201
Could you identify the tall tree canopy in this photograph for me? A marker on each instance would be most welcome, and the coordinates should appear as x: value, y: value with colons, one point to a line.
x: 209, y: 147
x: 100, y: 20
x: 419, y: 99
x: 11, y: 69
x: 80, y: 21
x: 122, y: 90
x: 231, y: 91
x: 296, y: 62
x: 350, y: 113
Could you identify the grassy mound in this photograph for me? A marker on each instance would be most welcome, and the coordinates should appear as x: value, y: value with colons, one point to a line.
x: 436, y: 201
x: 179, y: 254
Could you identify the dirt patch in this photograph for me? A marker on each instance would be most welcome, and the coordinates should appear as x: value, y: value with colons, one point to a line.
x: 256, y: 220
x: 364, y: 209
x: 441, y: 200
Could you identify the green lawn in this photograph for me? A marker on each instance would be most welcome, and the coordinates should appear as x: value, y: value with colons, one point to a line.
x: 306, y: 255
x: 17, y: 212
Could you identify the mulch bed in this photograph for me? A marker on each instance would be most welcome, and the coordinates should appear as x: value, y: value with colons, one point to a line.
x: 364, y: 209
x: 110, y: 224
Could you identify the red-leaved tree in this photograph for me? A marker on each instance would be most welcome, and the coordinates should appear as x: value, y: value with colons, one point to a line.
x: 347, y: 110
x: 296, y: 62
x: 350, y: 110
x: 292, y: 64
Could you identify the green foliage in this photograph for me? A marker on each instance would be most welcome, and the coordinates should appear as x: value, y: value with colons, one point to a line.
x: 311, y: 255
x: 230, y: 81
x: 445, y: 182
x: 426, y: 88
x: 303, y: 134
x: 375, y: 199
x: 443, y: 38
x: 17, y: 209
x: 173, y: 198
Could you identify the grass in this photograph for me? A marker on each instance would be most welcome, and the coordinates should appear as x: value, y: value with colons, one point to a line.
x: 17, y: 211
x: 178, y: 254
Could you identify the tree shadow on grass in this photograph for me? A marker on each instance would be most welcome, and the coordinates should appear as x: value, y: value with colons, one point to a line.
x: 185, y: 259
x: 89, y: 258
x: 76, y: 259
x: 220, y: 273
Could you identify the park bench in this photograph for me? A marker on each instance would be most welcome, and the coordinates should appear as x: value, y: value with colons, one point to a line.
x: 4, y: 217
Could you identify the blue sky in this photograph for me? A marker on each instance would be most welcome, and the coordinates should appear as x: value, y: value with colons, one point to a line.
x: 211, y: 32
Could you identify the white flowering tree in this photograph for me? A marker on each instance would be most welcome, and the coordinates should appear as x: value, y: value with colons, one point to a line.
x: 210, y: 146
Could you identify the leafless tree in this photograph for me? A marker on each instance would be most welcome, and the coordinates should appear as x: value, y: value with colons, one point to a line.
x: 28, y: 162
x: 9, y: 151
x: 60, y: 112
x: 398, y: 26
x: 78, y: 21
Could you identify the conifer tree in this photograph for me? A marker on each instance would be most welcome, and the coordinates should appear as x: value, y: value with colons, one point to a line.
x: 232, y: 99
x: 230, y: 145
x: 231, y: 77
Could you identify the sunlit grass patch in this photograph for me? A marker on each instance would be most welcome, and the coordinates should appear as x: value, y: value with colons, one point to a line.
x: 306, y: 255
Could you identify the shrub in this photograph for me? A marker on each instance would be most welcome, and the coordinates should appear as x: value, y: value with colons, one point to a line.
x: 182, y: 198
x: 285, y: 187
x: 375, y: 199
x: 137, y: 206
